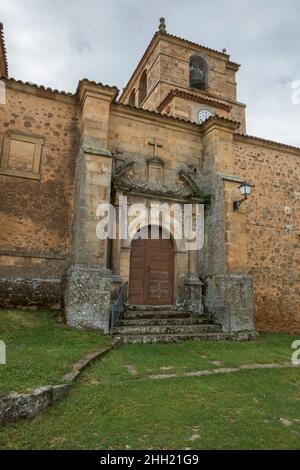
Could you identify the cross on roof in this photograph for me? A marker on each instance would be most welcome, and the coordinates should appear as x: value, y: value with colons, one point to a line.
x: 156, y: 145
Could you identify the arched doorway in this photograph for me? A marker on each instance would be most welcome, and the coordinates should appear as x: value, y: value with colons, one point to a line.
x: 151, y: 271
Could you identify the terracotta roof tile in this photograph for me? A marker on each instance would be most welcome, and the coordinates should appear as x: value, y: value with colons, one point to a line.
x: 218, y: 118
x: 192, y: 97
x: 172, y: 118
x: 271, y: 142
x: 38, y: 87
x: 157, y: 113
x: 197, y: 45
x: 3, y: 55
x: 91, y: 82
x: 61, y: 92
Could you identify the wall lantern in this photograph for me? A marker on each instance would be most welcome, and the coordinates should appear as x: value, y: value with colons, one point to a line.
x: 246, y: 191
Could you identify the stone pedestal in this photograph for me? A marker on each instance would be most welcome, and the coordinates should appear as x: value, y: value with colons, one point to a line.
x: 194, y: 302
x: 229, y: 297
x: 88, y: 297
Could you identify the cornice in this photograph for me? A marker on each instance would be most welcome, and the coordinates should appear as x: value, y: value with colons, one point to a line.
x: 266, y: 143
x: 132, y: 112
x: 218, y: 122
x: 192, y: 97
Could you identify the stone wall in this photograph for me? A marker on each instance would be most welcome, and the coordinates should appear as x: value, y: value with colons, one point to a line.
x: 37, y: 215
x: 37, y: 218
x: 272, y: 230
x: 132, y: 130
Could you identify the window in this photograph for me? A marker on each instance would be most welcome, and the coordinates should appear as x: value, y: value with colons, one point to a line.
x: 143, y: 87
x: 198, y: 72
x: 131, y: 101
x: 21, y: 155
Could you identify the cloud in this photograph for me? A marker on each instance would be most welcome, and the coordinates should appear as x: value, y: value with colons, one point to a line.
x: 59, y: 42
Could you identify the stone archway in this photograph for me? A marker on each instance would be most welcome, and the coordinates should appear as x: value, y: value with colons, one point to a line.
x: 151, y: 280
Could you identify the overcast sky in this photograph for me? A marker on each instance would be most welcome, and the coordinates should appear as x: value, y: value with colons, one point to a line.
x: 58, y: 42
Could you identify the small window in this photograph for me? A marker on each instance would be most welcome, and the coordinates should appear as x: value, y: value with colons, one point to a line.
x: 143, y: 87
x: 198, y: 72
x: 21, y: 155
x: 131, y: 101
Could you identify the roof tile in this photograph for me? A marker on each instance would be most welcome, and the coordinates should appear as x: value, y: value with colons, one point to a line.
x: 3, y: 55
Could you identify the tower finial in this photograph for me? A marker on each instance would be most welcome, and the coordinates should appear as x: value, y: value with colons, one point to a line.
x: 162, y: 25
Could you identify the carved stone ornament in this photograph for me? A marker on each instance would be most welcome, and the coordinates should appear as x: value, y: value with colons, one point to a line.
x: 187, y: 187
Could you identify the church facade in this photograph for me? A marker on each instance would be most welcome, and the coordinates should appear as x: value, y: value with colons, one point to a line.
x: 176, y: 136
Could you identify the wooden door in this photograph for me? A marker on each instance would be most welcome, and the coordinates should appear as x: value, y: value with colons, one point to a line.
x: 152, y: 272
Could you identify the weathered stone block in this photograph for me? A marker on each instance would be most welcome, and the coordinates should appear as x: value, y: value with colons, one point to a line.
x: 229, y: 297
x: 30, y: 292
x: 88, y: 297
x: 16, y: 406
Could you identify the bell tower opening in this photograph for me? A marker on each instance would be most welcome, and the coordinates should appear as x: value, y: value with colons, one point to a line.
x: 131, y: 101
x: 198, y: 72
x: 143, y: 86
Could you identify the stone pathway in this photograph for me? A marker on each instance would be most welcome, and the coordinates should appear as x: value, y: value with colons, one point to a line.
x: 221, y: 371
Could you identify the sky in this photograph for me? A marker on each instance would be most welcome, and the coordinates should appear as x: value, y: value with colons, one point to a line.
x: 57, y: 43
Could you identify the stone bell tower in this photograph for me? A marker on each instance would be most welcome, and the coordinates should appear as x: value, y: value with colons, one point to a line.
x: 182, y: 79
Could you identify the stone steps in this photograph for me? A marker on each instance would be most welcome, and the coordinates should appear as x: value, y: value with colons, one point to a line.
x: 167, y: 329
x: 164, y: 324
x: 157, y: 321
x: 178, y: 338
x: 155, y: 315
x: 154, y: 308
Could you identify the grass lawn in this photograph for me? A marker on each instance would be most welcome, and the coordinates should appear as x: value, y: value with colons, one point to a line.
x: 116, y: 405
x: 39, y: 350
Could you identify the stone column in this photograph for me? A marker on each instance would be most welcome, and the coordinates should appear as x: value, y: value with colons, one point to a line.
x: 229, y: 289
x: 88, y: 283
x: 218, y: 146
x: 194, y: 284
x: 194, y: 263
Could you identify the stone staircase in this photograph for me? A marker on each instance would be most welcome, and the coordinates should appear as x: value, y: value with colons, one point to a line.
x: 149, y: 325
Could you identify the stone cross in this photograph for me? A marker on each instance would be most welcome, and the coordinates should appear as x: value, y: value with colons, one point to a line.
x: 155, y: 146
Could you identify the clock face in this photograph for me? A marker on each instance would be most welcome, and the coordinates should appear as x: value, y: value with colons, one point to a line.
x: 203, y: 115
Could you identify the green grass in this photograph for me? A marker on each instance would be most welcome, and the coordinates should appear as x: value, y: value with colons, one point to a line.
x: 112, y: 409
x: 193, y: 356
x: 39, y: 350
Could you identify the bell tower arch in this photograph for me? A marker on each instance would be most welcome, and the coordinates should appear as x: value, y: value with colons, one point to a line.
x: 198, y: 72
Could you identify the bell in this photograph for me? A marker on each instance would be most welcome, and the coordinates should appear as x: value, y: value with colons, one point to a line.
x: 197, y: 78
